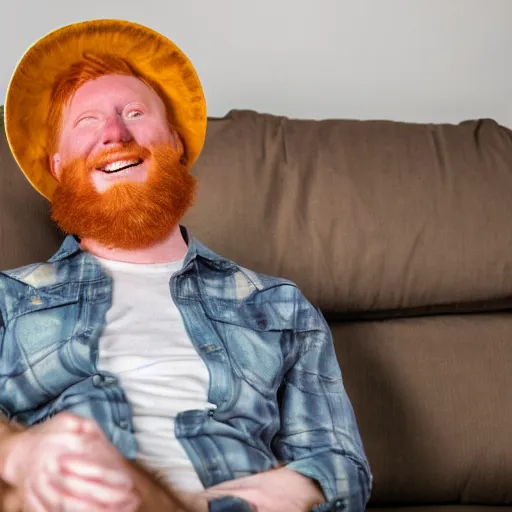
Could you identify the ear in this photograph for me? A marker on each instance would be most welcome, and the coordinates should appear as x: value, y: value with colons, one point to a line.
x: 177, y: 142
x: 56, y: 166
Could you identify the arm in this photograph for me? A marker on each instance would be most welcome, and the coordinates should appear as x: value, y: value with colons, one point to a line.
x: 271, y: 491
x: 39, y: 464
x: 319, y: 437
x: 83, y: 465
x: 318, y: 440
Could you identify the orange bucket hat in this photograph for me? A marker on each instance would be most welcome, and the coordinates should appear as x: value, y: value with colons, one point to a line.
x: 151, y: 54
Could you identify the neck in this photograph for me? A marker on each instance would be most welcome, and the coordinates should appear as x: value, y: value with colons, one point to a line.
x: 172, y: 248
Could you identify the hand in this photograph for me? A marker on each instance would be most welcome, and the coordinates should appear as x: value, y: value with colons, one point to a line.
x: 272, y: 491
x: 67, y: 464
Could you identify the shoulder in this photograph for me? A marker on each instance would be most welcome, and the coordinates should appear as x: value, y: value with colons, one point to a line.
x: 284, y: 296
x: 13, y: 288
x: 259, y: 282
x: 36, y: 275
x: 20, y: 285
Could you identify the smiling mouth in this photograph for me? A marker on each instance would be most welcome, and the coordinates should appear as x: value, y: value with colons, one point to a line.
x: 120, y: 165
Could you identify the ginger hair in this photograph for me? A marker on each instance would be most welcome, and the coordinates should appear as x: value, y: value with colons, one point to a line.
x: 91, y: 67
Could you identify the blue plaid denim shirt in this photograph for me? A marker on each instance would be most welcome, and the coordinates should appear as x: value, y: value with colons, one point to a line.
x: 274, y: 377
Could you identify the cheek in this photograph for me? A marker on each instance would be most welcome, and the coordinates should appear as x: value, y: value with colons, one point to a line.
x: 79, y: 145
x: 155, y: 133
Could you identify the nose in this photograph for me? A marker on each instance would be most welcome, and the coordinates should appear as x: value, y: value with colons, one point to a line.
x: 115, y: 131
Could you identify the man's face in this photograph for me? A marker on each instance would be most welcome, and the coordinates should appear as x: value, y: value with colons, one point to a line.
x: 121, y: 180
x: 102, y: 116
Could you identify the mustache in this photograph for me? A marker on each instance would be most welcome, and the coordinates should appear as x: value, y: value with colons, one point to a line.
x: 126, y: 151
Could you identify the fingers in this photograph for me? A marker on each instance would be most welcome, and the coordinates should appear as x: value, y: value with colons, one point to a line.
x: 71, y: 423
x: 71, y: 466
x: 37, y: 450
x: 92, y: 491
x: 113, y: 475
x: 51, y: 492
x: 31, y: 503
x: 69, y: 441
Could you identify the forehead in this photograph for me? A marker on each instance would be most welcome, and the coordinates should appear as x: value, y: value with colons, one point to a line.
x: 108, y: 91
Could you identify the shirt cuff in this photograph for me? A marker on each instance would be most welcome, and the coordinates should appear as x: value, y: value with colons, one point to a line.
x: 334, y: 505
x: 229, y: 504
x: 355, y: 498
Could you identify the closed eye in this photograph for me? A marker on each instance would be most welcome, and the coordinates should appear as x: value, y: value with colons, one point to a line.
x: 86, y: 119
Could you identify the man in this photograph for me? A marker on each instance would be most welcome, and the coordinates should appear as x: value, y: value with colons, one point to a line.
x: 139, y: 370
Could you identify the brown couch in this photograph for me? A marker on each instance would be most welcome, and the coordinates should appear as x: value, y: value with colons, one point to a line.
x: 402, y: 234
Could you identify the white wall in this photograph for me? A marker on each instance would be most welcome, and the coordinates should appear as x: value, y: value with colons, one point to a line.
x: 413, y: 60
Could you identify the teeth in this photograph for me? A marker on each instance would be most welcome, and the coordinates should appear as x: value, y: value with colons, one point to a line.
x: 115, y: 166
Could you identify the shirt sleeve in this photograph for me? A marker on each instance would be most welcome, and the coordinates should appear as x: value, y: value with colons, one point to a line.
x: 318, y: 436
x: 229, y: 504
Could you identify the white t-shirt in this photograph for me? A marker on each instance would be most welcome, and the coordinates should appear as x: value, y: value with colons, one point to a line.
x: 145, y: 344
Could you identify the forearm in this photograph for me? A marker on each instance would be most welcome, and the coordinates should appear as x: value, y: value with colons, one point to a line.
x: 331, y: 468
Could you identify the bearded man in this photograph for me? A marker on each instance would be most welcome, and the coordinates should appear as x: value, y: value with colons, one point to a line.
x: 139, y: 369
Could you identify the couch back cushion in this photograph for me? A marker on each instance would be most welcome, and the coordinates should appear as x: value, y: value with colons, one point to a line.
x: 365, y: 216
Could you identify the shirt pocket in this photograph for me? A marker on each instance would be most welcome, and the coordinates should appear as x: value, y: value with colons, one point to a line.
x: 36, y: 360
x: 38, y: 333
x: 255, y: 340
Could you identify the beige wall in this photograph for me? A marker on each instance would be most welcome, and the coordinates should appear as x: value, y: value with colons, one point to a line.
x: 415, y: 60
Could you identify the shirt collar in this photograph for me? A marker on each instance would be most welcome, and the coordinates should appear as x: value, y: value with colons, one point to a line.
x: 71, y: 246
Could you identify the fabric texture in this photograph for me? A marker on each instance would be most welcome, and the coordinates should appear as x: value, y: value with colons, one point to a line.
x: 432, y: 400
x: 365, y: 216
x: 229, y: 504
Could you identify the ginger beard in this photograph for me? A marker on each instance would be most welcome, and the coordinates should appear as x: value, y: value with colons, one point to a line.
x: 127, y: 215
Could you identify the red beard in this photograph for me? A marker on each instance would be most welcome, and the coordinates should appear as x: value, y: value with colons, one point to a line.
x: 127, y: 215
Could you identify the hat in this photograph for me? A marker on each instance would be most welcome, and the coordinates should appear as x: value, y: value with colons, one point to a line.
x: 151, y: 54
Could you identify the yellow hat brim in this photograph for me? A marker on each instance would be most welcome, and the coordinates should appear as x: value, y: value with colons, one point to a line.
x: 151, y: 54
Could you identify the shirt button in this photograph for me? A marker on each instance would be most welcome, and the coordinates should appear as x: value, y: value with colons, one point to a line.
x: 262, y: 324
x: 36, y: 301
x: 97, y: 380
x: 123, y: 424
x: 339, y: 505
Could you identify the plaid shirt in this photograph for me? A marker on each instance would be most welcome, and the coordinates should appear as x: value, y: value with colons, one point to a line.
x: 275, y: 380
